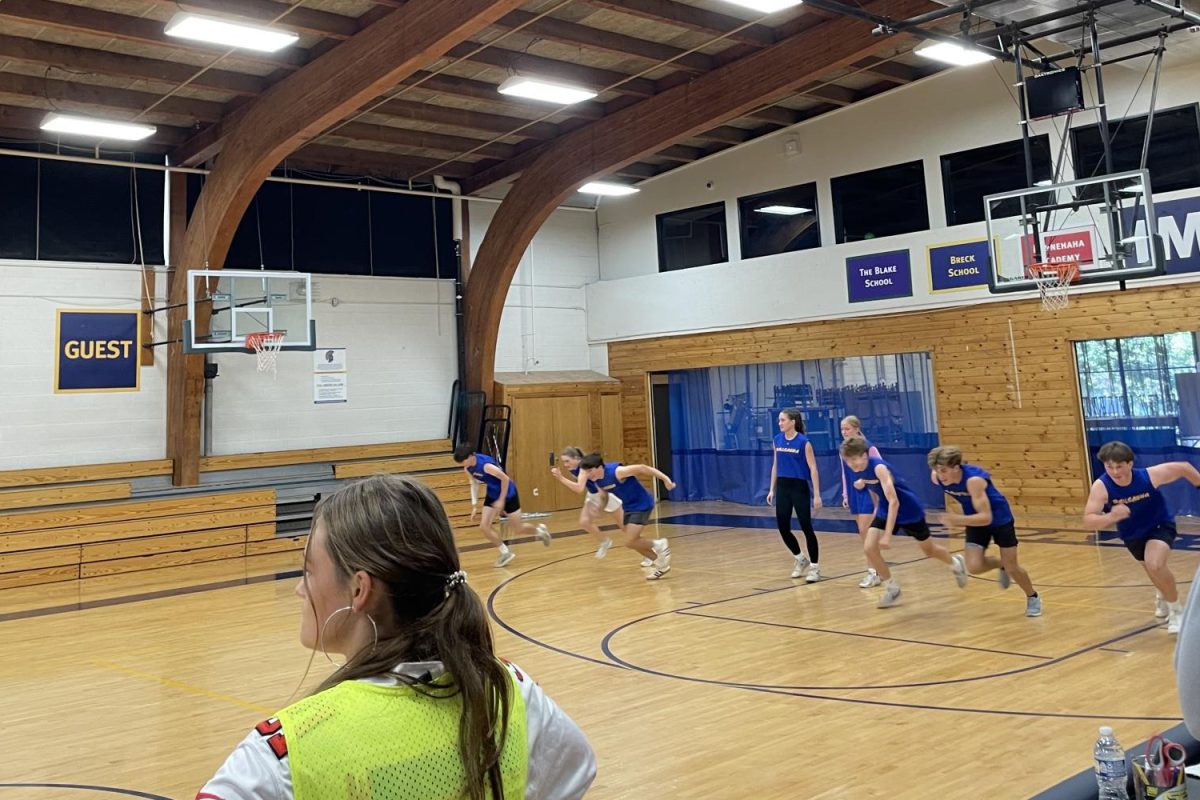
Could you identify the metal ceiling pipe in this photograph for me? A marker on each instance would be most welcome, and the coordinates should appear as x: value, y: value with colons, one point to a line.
x: 1178, y: 12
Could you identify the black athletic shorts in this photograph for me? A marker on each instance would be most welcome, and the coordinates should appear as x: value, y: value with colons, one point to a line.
x: 1164, y: 533
x: 982, y: 535
x: 636, y: 517
x: 918, y: 530
x: 510, y: 505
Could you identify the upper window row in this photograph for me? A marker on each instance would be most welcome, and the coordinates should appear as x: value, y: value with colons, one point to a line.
x: 892, y: 200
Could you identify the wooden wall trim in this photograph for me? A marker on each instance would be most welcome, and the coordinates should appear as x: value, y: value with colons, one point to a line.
x: 1036, y: 452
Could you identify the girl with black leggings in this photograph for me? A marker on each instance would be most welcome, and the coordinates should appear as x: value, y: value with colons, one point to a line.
x: 792, y: 467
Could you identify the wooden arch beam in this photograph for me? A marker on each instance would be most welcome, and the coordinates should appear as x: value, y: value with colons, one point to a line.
x: 551, y: 172
x: 283, y: 119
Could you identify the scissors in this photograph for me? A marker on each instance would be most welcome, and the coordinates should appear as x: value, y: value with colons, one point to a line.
x: 1165, y: 760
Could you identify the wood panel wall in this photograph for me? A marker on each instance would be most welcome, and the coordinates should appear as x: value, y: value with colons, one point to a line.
x: 550, y: 416
x: 1035, y: 450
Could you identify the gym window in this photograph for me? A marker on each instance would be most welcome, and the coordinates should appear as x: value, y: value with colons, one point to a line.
x: 968, y: 176
x: 692, y: 237
x: 780, y: 221
x: 880, y: 202
x: 1174, y: 158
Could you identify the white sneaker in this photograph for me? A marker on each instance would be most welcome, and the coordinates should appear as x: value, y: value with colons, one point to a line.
x: 647, y: 562
x: 602, y: 550
x: 663, y: 562
x: 890, y: 597
x: 1173, y: 619
x: 869, y: 580
x: 959, y: 568
x: 543, y: 535
x: 814, y: 574
x: 1160, y: 606
x: 505, y: 558
x: 802, y: 563
x: 658, y: 573
x: 1004, y: 579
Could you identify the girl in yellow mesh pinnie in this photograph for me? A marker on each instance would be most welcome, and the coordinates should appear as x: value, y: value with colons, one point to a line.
x: 422, y: 707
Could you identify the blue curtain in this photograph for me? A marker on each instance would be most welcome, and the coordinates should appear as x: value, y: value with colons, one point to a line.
x: 723, y: 421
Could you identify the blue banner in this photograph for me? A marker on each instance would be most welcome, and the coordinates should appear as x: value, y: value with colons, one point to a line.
x: 97, y: 351
x: 879, y: 276
x: 1178, y: 223
x: 958, y: 265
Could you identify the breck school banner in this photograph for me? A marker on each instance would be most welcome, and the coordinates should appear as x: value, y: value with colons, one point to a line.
x: 879, y: 276
x: 958, y: 265
x: 97, y: 351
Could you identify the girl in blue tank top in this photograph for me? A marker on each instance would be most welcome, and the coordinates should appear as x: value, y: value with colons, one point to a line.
x: 898, y: 507
x: 986, y: 515
x: 859, y: 502
x: 793, y: 468
x: 1129, y: 498
x: 621, y: 481
x: 594, y: 505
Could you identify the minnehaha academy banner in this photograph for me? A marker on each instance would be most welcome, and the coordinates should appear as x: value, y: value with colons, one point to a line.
x: 97, y: 351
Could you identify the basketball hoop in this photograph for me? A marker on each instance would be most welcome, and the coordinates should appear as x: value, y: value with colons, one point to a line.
x: 266, y: 347
x: 1054, y: 283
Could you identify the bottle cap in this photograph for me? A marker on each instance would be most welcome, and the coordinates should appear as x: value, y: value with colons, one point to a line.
x: 1105, y: 730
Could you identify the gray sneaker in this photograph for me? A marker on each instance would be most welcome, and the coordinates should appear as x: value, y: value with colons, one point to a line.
x: 1004, y: 579
x: 543, y: 535
x: 891, y: 596
x: 959, y: 568
x: 505, y: 558
x: 1033, y: 606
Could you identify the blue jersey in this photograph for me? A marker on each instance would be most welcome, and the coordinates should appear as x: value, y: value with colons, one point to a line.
x: 791, y: 459
x: 911, y: 509
x: 490, y: 481
x: 1001, y: 513
x: 633, y: 495
x: 1149, y: 509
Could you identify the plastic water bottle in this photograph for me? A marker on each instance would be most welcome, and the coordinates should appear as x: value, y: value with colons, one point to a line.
x: 1111, y: 770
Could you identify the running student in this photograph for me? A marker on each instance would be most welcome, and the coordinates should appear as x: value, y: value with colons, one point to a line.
x: 501, y: 499
x: 621, y: 480
x: 596, y: 502
x: 422, y: 707
x: 986, y: 515
x: 1129, y: 498
x: 793, y: 465
x: 901, y: 509
x: 859, y: 502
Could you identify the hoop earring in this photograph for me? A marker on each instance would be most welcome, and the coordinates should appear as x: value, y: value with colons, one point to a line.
x: 321, y: 635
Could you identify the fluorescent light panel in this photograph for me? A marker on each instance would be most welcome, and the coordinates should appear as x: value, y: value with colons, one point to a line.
x: 99, y: 128
x: 547, y: 91
x: 766, y: 6
x: 608, y: 189
x: 784, y: 211
x: 955, y: 54
x: 229, y: 34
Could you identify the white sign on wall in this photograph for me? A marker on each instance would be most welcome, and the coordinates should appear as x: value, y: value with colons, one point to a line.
x: 329, y: 375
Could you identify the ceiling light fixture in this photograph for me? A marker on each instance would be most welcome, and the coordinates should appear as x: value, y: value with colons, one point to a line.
x: 954, y: 54
x: 608, y: 189
x: 766, y: 6
x: 547, y: 91
x: 99, y: 128
x: 784, y: 211
x: 213, y: 30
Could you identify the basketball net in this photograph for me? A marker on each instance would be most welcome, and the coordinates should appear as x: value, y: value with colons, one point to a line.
x: 1054, y: 283
x: 266, y: 347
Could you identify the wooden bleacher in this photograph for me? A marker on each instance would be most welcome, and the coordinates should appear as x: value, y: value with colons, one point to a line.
x: 78, y: 523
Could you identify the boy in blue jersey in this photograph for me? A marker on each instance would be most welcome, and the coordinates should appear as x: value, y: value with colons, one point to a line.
x: 899, y: 508
x: 500, y: 498
x: 621, y: 481
x: 1128, y: 497
x: 987, y: 516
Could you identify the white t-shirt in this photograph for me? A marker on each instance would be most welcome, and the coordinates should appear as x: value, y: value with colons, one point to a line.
x: 561, y: 763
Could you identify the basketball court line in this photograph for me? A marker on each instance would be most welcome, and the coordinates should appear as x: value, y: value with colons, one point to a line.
x: 86, y: 788
x: 687, y: 613
x: 186, y: 688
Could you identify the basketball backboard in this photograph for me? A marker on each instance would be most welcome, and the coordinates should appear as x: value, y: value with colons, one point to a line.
x: 250, y: 301
x: 1102, y: 224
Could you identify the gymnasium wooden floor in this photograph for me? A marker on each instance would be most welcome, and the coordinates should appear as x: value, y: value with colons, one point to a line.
x: 726, y: 679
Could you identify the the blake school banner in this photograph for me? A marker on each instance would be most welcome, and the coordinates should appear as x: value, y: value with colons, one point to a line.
x: 97, y: 351
x: 878, y: 276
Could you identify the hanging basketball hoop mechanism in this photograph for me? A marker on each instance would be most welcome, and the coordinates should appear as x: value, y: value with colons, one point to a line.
x: 266, y: 347
x: 1054, y: 283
